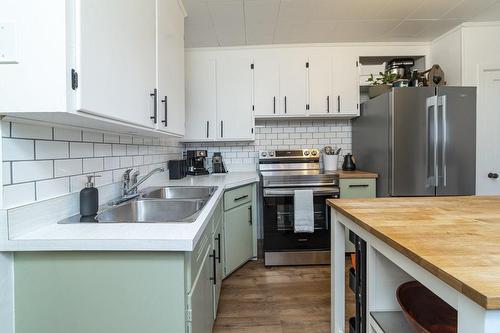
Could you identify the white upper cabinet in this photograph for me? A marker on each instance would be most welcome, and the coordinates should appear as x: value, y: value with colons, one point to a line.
x: 116, y: 56
x: 345, y: 83
x: 320, y: 84
x: 96, y: 64
x: 234, y: 98
x: 266, y: 83
x: 170, y: 67
x: 201, y: 92
x: 293, y: 84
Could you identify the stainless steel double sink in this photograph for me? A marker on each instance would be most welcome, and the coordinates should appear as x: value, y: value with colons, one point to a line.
x: 161, y: 205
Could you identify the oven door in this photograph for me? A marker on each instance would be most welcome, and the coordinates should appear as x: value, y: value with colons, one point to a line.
x: 278, y: 212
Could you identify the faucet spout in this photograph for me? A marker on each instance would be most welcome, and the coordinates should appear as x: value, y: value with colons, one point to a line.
x: 134, y: 187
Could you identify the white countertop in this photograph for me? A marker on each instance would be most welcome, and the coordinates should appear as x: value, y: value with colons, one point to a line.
x: 132, y: 236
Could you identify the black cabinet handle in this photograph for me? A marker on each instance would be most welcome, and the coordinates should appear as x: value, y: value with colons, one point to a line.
x: 250, y: 218
x: 241, y: 198
x: 493, y: 175
x: 154, y: 94
x: 165, y: 122
x: 208, y: 125
x: 221, y: 129
x: 274, y: 104
x: 338, y: 103
x: 285, y: 104
x: 214, y: 279
x: 359, y: 185
x: 327, y: 104
x: 218, y: 247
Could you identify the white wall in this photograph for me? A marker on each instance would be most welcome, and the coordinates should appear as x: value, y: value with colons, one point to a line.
x: 463, y: 53
x: 446, y: 51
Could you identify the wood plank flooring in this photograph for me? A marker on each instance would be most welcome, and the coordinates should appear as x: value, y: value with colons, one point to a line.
x: 290, y: 299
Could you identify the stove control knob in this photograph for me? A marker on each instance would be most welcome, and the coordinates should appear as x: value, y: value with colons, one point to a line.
x: 263, y: 154
x: 306, y: 152
x: 314, y: 153
x: 271, y: 153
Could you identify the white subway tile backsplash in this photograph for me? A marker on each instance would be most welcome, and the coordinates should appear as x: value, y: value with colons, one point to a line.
x: 31, y: 131
x: 45, y: 150
x: 66, y: 134
x: 28, y: 171
x: 68, y: 167
x: 79, y: 150
x: 6, y: 176
x: 5, y: 129
x: 102, y: 149
x: 111, y: 138
x: 106, y: 177
x: 18, y: 149
x: 132, y: 150
x: 111, y: 163
x: 138, y: 160
x: 93, y: 165
x: 125, y: 139
x: 126, y: 162
x: 93, y: 136
x: 77, y: 183
x: 137, y: 141
x: 119, y: 150
x: 18, y: 195
x: 51, y: 188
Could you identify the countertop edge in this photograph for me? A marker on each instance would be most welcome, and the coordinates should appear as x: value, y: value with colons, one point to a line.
x: 127, y: 244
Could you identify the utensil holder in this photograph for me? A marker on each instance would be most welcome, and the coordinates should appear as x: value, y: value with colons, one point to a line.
x: 330, y: 162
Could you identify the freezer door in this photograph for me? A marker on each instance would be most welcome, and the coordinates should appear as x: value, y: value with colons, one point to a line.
x: 457, y: 140
x: 412, y: 141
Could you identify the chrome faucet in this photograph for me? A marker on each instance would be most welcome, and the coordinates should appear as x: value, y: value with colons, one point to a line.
x: 131, y: 183
x: 135, y: 184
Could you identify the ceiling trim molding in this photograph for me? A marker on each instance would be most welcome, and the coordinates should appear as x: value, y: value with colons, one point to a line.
x: 302, y: 45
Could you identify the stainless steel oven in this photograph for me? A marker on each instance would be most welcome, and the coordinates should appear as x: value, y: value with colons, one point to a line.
x: 281, y: 176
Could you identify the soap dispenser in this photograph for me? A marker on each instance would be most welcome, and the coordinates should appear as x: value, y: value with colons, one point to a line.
x: 89, y: 198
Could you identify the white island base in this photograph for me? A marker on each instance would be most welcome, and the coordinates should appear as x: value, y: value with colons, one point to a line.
x: 386, y: 270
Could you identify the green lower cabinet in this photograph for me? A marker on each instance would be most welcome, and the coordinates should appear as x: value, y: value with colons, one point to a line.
x: 238, y: 236
x: 356, y: 188
x: 200, y: 317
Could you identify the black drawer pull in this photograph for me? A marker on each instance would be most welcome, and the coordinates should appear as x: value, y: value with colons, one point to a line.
x: 359, y: 185
x: 241, y: 198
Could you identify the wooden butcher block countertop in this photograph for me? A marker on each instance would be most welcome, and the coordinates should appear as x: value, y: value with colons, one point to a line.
x: 455, y: 238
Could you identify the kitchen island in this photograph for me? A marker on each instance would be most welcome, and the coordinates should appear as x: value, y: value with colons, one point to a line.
x: 449, y: 244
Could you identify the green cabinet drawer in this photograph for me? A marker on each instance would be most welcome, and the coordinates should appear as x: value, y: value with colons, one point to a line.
x: 237, y: 197
x: 357, y: 188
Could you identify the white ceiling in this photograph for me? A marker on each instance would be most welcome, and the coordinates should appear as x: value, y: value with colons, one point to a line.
x: 255, y: 22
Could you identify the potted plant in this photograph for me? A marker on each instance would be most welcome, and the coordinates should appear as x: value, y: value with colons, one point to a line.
x: 380, y: 84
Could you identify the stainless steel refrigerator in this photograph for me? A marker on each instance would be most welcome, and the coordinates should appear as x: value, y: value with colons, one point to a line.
x: 421, y: 141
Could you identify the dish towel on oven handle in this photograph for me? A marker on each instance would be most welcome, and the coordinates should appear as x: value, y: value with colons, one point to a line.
x: 304, y: 211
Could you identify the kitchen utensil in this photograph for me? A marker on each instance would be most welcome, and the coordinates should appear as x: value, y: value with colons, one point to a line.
x: 337, y: 152
x: 328, y: 150
x: 348, y: 164
x: 424, y: 311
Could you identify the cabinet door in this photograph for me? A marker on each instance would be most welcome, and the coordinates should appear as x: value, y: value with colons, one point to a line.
x: 238, y: 236
x: 293, y: 84
x: 234, y: 98
x: 200, y: 97
x: 116, y: 56
x: 218, y: 245
x: 345, y: 83
x: 320, y: 84
x: 200, y: 299
x: 266, y: 86
x: 170, y: 67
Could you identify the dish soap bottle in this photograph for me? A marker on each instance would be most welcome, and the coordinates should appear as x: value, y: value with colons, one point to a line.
x: 89, y: 198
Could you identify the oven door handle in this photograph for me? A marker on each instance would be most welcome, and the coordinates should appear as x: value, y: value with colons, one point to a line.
x: 280, y: 184
x: 288, y: 192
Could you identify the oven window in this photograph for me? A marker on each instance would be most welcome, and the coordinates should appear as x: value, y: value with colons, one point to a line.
x: 285, y: 215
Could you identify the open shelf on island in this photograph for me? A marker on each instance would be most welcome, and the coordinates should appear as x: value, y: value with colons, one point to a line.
x: 389, y: 322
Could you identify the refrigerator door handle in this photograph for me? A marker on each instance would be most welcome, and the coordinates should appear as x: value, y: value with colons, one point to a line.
x: 442, y: 104
x: 432, y: 127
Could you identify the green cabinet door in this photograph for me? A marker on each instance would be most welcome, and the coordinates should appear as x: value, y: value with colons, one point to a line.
x: 238, y: 236
x: 200, y: 317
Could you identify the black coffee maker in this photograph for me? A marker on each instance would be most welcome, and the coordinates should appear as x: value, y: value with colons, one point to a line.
x: 218, y: 164
x: 196, y: 160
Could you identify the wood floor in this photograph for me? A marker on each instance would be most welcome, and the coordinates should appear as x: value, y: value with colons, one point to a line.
x: 256, y: 299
